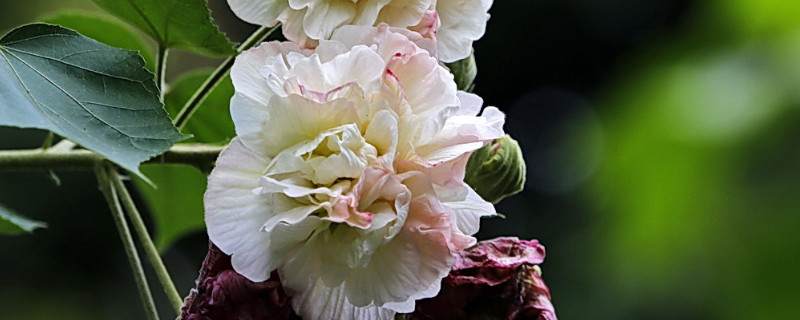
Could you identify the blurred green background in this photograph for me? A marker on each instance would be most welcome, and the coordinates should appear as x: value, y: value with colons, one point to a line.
x: 662, y: 146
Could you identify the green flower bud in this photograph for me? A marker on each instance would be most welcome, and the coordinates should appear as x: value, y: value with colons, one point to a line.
x: 497, y: 170
x: 464, y: 71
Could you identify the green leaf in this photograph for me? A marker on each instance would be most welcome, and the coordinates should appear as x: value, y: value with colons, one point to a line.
x: 176, y: 202
x: 176, y: 216
x: 104, y: 29
x: 183, y: 24
x: 97, y: 96
x: 12, y: 223
x: 212, y: 122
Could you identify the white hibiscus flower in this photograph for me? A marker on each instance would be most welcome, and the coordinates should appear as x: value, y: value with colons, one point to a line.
x: 456, y: 23
x: 347, y: 174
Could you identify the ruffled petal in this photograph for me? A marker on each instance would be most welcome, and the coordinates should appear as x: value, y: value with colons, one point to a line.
x: 463, y: 21
x: 404, y: 13
x: 262, y: 12
x: 318, y: 301
x: 235, y: 215
x: 287, y: 121
x: 325, y: 16
x: 467, y: 207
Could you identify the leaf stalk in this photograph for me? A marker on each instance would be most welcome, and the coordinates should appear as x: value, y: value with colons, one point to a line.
x: 146, y: 242
x: 110, y: 192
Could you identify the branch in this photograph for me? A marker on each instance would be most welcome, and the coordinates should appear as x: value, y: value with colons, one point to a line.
x: 199, y: 155
x: 205, y: 89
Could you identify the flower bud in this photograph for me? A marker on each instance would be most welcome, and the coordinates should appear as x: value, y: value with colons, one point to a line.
x: 464, y: 71
x: 497, y: 170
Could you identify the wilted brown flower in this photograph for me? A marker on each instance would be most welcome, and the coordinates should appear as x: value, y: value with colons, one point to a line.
x: 223, y: 294
x: 497, y: 279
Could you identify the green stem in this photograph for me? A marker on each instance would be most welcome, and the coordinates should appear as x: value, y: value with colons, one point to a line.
x: 48, y: 141
x: 110, y: 193
x: 63, y: 157
x: 146, y: 242
x: 161, y: 70
x: 222, y: 70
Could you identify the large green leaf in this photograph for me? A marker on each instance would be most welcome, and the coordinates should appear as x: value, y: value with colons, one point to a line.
x: 176, y: 201
x: 12, y: 223
x: 179, y: 215
x: 97, y: 96
x: 104, y: 29
x: 183, y: 24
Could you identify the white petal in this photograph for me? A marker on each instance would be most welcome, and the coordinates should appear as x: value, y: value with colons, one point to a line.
x: 463, y: 21
x: 360, y: 65
x: 467, y: 206
x: 470, y: 104
x: 404, y: 13
x: 289, y: 121
x: 368, y: 11
x: 408, y: 268
x: 234, y: 215
x: 428, y: 87
x: 245, y: 74
x: 292, y: 26
x: 325, y: 16
x: 319, y: 302
x: 382, y: 132
x: 260, y: 12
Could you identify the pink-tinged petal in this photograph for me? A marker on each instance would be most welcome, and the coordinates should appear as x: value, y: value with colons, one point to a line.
x: 387, y: 42
x: 234, y: 215
x: 428, y: 87
x: 429, y: 25
x: 448, y: 174
x: 262, y: 12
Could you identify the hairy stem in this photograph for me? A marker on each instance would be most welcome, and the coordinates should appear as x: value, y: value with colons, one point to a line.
x: 222, y: 70
x: 59, y: 157
x: 146, y: 242
x: 110, y: 192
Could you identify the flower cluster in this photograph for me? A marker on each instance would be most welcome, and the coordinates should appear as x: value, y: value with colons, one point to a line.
x: 454, y: 23
x: 346, y: 180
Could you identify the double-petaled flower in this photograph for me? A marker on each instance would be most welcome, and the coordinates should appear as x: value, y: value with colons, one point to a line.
x: 347, y: 173
x: 455, y: 23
